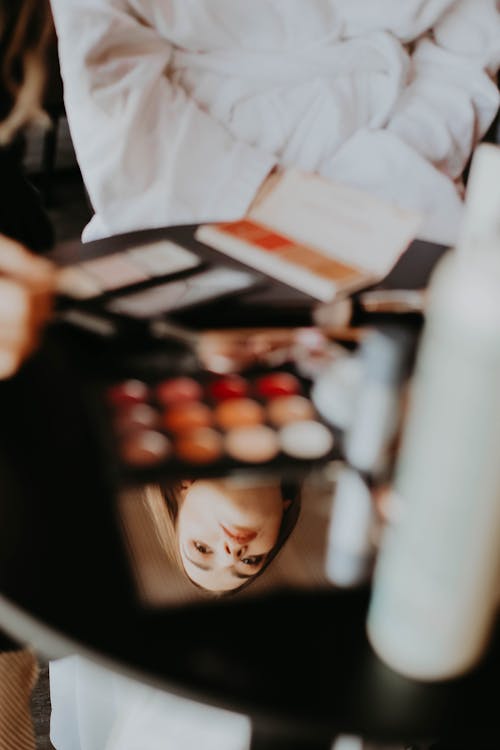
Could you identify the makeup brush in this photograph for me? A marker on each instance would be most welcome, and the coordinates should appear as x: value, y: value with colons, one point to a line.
x: 228, y: 350
x: 233, y: 349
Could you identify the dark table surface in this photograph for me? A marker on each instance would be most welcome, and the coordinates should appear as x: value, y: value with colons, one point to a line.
x: 306, y: 671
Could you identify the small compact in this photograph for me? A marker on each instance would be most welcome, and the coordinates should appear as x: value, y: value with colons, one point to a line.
x: 212, y: 425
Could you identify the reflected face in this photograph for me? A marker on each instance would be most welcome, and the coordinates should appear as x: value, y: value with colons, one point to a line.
x: 226, y: 531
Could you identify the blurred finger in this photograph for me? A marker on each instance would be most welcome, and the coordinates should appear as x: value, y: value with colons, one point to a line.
x: 16, y: 336
x: 19, y: 322
x: 21, y: 264
x: 9, y: 363
x: 15, y: 304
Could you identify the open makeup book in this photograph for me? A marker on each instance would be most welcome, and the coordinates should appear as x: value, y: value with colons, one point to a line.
x: 316, y: 236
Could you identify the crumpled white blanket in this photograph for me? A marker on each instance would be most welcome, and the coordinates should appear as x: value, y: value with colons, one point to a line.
x: 179, y: 109
x: 94, y: 708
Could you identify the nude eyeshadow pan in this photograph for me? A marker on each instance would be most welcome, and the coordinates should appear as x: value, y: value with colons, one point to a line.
x: 239, y: 412
x: 254, y: 445
x: 94, y: 277
x: 284, y: 409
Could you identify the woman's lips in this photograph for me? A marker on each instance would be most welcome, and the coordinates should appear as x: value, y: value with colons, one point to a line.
x: 241, y: 536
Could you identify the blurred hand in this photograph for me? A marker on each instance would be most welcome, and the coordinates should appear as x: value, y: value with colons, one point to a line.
x: 26, y: 294
x: 233, y: 350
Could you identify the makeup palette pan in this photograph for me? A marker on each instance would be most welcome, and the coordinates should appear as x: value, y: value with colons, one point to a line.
x: 208, y: 425
x: 95, y: 277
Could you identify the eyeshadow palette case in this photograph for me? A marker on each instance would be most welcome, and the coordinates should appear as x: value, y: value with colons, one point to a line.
x: 114, y: 288
x: 117, y: 288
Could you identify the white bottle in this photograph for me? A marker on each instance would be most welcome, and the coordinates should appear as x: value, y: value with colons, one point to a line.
x: 435, y: 585
x: 352, y: 531
x: 385, y: 356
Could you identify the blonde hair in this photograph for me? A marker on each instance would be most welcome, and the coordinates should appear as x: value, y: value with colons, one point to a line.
x: 148, y: 522
x: 165, y: 522
x: 26, y: 30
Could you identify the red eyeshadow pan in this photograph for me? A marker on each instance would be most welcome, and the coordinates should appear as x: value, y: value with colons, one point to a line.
x: 232, y: 386
x: 174, y: 390
x: 278, y: 384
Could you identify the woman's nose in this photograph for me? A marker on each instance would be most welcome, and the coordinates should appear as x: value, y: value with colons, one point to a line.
x: 233, y: 549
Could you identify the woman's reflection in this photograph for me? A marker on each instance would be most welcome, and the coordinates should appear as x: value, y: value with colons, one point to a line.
x: 220, y: 533
x: 227, y: 532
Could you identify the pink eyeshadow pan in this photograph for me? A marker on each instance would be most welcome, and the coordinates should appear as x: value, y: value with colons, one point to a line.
x: 173, y: 390
x: 254, y: 445
x: 114, y: 271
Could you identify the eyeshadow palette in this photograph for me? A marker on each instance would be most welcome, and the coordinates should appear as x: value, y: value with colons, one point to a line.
x: 99, y: 276
x: 169, y: 296
x: 114, y: 288
x: 148, y: 281
x: 209, y: 425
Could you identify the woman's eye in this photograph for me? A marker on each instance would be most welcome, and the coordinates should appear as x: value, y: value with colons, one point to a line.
x: 202, y: 548
x: 252, y: 561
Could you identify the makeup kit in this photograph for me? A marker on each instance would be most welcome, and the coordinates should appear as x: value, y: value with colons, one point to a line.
x: 144, y: 309
x: 212, y: 425
x: 128, y: 282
